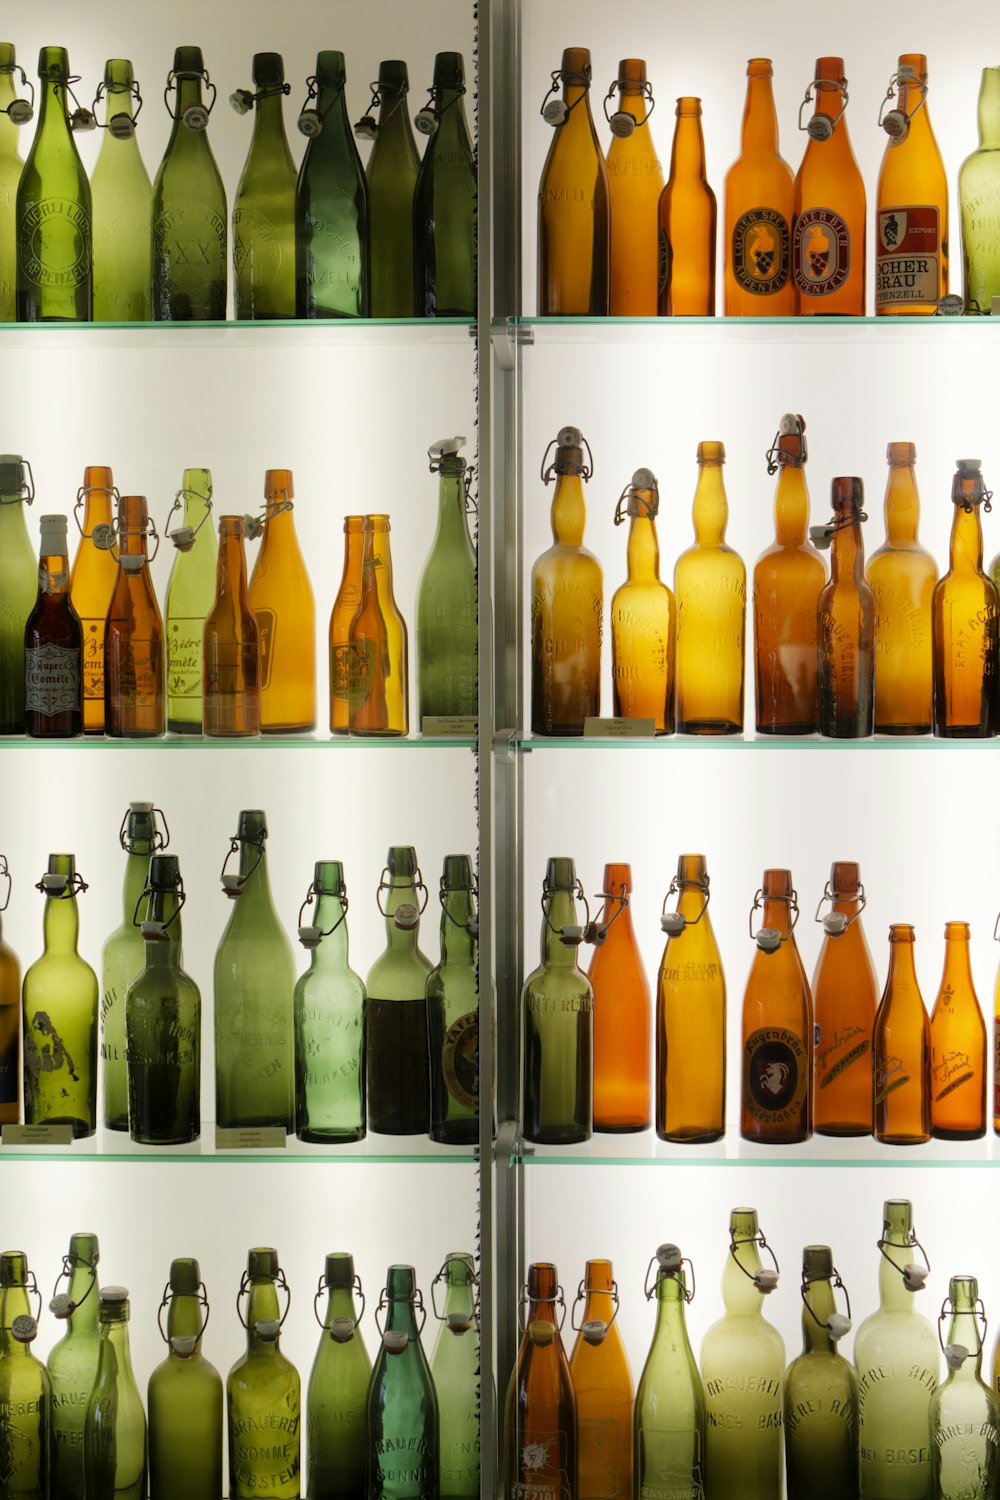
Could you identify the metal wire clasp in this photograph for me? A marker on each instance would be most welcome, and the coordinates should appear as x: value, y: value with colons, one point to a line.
x: 957, y: 1354
x: 368, y: 128
x: 896, y: 123
x: 311, y: 937
x: 185, y: 1344
x: 156, y: 931
x: 428, y: 118
x: 24, y: 1328
x: 269, y: 1329
x: 161, y: 837
x: 61, y: 1304
x: 243, y: 100
x: 195, y: 116
x: 102, y: 535
x: 457, y: 1322
x: 341, y: 1330
x: 80, y: 118
x: 568, y: 437
x: 310, y: 121
x: 835, y: 923
x: 837, y: 1325
x: 233, y: 884
x: 764, y: 1279
x: 406, y: 916
x: 769, y: 939
x: 595, y: 1330
x: 669, y: 1262
x: 472, y: 925
x: 20, y: 111
x: 558, y: 1299
x: 255, y: 525
x: 913, y: 1274
x: 791, y: 425
x: 821, y: 127
x: 556, y: 111
x: 183, y: 536
x: 622, y: 122
x: 5, y: 875
x: 17, y: 483
x: 108, y: 539
x: 673, y: 923
x: 821, y: 536
x: 632, y: 502
x: 56, y: 887
x: 121, y: 126
x: 396, y: 1339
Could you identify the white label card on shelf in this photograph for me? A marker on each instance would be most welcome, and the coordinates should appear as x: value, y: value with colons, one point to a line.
x: 450, y: 726
x: 37, y: 1135
x: 618, y: 729
x: 263, y: 1137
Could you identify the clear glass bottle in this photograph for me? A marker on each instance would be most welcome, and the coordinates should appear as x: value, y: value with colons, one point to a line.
x: 115, y: 1463
x: 231, y: 654
x: 453, y: 1010
x: 635, y: 182
x: 404, y: 1455
x: 455, y: 1370
x: 18, y: 584
x: 25, y: 1387
x: 188, y: 601
x: 264, y: 207
x: 574, y: 216
x: 821, y: 1392
x: 185, y: 1397
x: 964, y: 1411
x: 398, y: 1070
x: 281, y: 599
x: 391, y: 174
x: 444, y: 201
x: 901, y: 1048
x: 92, y: 583
x: 53, y: 644
x: 122, y: 959
x: 447, y: 602
x: 263, y: 1392
x: 979, y: 202
x: 643, y: 616
x: 690, y: 1062
x: 122, y: 197
x: 72, y: 1363
x: 337, y: 1397
x: 329, y: 1009
x: 332, y: 250
x: 670, y: 1427
x: 10, y: 175
x: 603, y: 1390
x: 134, y: 700
x: 958, y: 1046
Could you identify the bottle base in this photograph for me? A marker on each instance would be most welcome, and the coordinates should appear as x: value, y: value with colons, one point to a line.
x: 902, y: 1140
x: 465, y: 1133
x: 708, y: 726
x: 691, y: 1138
x: 903, y: 729
x: 778, y: 1140
x: 183, y: 726
x: 397, y: 1127
x: 119, y: 1123
x: 165, y: 1140
x: 939, y: 1134
x: 558, y: 731
x: 963, y: 732
x: 616, y: 1127
x: 288, y: 728
x: 786, y: 729
x: 557, y: 1138
x: 330, y: 1137
x: 842, y: 1131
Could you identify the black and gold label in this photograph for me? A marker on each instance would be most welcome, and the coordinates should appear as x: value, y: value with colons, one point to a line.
x: 821, y: 252
x: 761, y: 251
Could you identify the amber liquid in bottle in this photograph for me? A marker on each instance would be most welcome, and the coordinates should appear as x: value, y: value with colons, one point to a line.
x: 687, y: 220
x: 691, y: 1019
x: 573, y: 206
x: 828, y: 240
x: 621, y: 1016
x: 902, y: 1048
x: 377, y: 638
x: 134, y: 697
x: 776, y: 1100
x: 958, y: 1046
x: 281, y: 598
x: 845, y: 998
x: 758, y: 210
x: 92, y: 582
x: 605, y: 1395
x: 643, y: 620
x: 345, y: 607
x: 541, y: 1406
x: 911, y: 219
x: 846, y: 625
x: 231, y: 644
x: 635, y: 182
x: 965, y: 622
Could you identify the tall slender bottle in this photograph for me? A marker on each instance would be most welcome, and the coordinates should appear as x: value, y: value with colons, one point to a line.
x: 395, y: 1006
x: 254, y: 983
x: 337, y: 1397
x: 687, y: 219
x: 845, y: 623
x: 828, y: 237
x: 776, y: 1097
x: 11, y: 117
x: 73, y: 1363
x: 189, y: 598
x: 92, y: 583
x: 391, y: 174
x: 958, y: 1046
x: 979, y: 202
x: 332, y: 249
x: 964, y: 1411
x: 902, y: 1050
x: 59, y: 1011
x: 690, y: 1060
x: 329, y: 1010
x: 821, y: 1392
x: 122, y: 197
x: 635, y: 183
x: 378, y: 644
x: 189, y: 204
x: 264, y: 207
x: 53, y: 644
x: 25, y: 1387
x: 643, y: 616
x: 669, y: 1451
x: 574, y: 216
x: 134, y: 706
x: 10, y: 1020
x: 263, y: 1392
x: 759, y: 201
x: 455, y: 1370
x: 115, y: 1459
x: 18, y: 585
x: 902, y: 575
x: 403, y: 1461
x: 622, y: 1021
x: 845, y: 999
x: 447, y: 601
x: 345, y: 607
x: 231, y: 644
x: 603, y: 1390
x: 453, y: 1010
x: 911, y: 217
x: 122, y: 960
x: 281, y: 598
x: 541, y: 1406
x: 966, y: 652
x: 185, y: 1398
x: 444, y: 201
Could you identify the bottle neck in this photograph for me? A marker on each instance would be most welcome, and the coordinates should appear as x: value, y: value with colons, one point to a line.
x: 920, y: 136
x: 83, y: 1290
x: 671, y: 1326
x: 815, y: 1335
x: 643, y: 551
x: 569, y: 510
x: 332, y: 950
x: 61, y: 926
x: 401, y: 892
x: 778, y: 914
x: 136, y: 873
x: 401, y: 1317
x: 897, y: 1254
x: 710, y: 511
x: 561, y: 912
x: 96, y: 511
x: 279, y: 521
x: 53, y: 573
x: 182, y: 139
x: 989, y: 110
x: 382, y: 572
x: 115, y: 1359
x: 847, y: 551
x: 231, y: 569
x: 257, y: 889
x: 902, y: 976
x: 132, y: 522
x: 902, y: 506
x: 165, y: 952
x: 394, y: 132
x: 459, y: 1298
x: 262, y: 1307
x: 791, y: 506
x: 269, y: 124
x: 184, y: 1320
x: 687, y: 157
x: 8, y: 130
x: 340, y: 1304
x: 957, y: 967
x: 53, y: 112
x: 739, y: 1293
x: 14, y: 1303
x: 451, y: 526
x: 760, y: 120
x: 964, y: 1329
x: 332, y: 105
x: 457, y: 944
x: 453, y: 132
x: 966, y: 540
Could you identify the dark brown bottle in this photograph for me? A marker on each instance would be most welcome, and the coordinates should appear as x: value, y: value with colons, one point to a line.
x: 846, y: 623
x: 134, y: 698
x: 53, y: 645
x: 541, y: 1403
x: 776, y: 1104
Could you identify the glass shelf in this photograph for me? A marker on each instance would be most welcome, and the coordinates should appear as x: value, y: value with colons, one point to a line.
x: 249, y: 332
x: 265, y: 742
x: 721, y: 742
x: 562, y: 331
x: 117, y: 1146
x: 645, y: 1149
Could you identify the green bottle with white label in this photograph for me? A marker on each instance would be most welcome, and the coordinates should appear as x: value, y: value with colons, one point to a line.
x: 25, y: 1388
x: 73, y: 1362
x: 264, y: 208
x: 190, y: 597
x: 122, y: 197
x: 263, y: 1393
x: 337, y: 1398
x: 123, y: 959
x: 185, y: 1398
x: 189, y: 204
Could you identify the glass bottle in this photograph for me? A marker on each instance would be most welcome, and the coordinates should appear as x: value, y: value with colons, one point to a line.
x: 635, y: 182
x: 557, y: 1020
x: 670, y: 1402
x: 453, y: 1010
x: 263, y: 1392
x: 403, y: 1460
x: 10, y: 175
x: 541, y: 1405
x: 345, y: 607
x: 621, y: 1014
x: 902, y: 1050
x: 59, y: 1012
x: 134, y: 706
x: 759, y: 207
x: 185, y: 1398
x: 122, y: 197
x: 55, y: 280
x: 958, y: 1046
x: 787, y: 580
x: 845, y: 617
x: 603, y: 1390
x: 965, y: 621
x: 398, y: 1074
x: 254, y: 984
x: 643, y: 616
x: 72, y: 1364
x: 447, y: 602
x: 710, y: 584
x: 845, y: 999
x: 455, y: 1371
x: 264, y: 207
x: 828, y: 238
x: 567, y: 602
x: 25, y: 1387
x: 122, y: 960
x: 690, y: 1014
x: 378, y: 644
x: 742, y: 1365
x: 821, y: 1392
x: 896, y: 1357
x: 231, y: 644
x: 337, y: 1397
x: 574, y: 216
x: 115, y: 1463
x: 964, y: 1411
x: 391, y: 174
x: 18, y: 582
x: 902, y: 575
x: 332, y: 249
x: 92, y: 583
x: 979, y: 202
x: 53, y: 645
x: 281, y: 598
x: 776, y: 1095
x: 189, y: 205
x: 444, y: 201
x: 687, y: 219
x: 911, y: 217
x: 189, y: 598
x: 329, y: 1010
x: 10, y: 1021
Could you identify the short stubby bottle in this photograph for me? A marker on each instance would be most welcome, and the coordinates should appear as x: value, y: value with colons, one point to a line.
x: 603, y: 1389
x: 329, y: 1010
x: 185, y: 1398
x: 337, y: 1397
x: 635, y: 182
x: 404, y: 1460
x: 541, y: 1416
x: 73, y: 1362
x: 574, y: 215
x: 263, y: 1392
x: 122, y: 959
x: 670, y: 1401
x: 115, y: 1459
x: 821, y: 1393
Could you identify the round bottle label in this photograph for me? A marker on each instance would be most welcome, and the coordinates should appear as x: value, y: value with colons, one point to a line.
x: 775, y: 1075
x: 460, y: 1060
x: 761, y: 251
x: 821, y: 252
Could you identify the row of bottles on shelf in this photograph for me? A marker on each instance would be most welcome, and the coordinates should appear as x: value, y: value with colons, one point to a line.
x: 325, y: 1056
x: 831, y: 1056
x: 330, y: 239
x: 86, y: 649
x: 404, y: 1426
x: 882, y: 1426
x: 885, y: 648
x: 612, y: 238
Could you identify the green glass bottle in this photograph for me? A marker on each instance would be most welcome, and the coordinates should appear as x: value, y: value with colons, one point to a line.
x: 12, y: 115
x: 122, y: 960
x: 979, y: 202
x: 821, y: 1393
x: 25, y: 1388
x: 444, y: 201
x: 10, y: 1017
x: 329, y: 1006
x: 185, y: 1398
x: 114, y: 1431
x: 392, y: 177
x: 337, y: 1398
x: 190, y: 596
x: 18, y: 586
x: 455, y: 1371
x: 264, y: 209
x: 73, y: 1363
x: 254, y: 984
x: 332, y: 250
x: 189, y: 205
x: 964, y: 1411
x: 59, y: 1010
x: 122, y: 204
x: 447, y: 609
x: 669, y: 1450
x: 398, y: 1075
x: 403, y: 1430
x: 263, y: 1393
x: 54, y: 280
x: 453, y: 1010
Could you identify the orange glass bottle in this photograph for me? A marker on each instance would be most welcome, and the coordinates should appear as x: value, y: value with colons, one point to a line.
x: 964, y: 615
x: 281, y: 598
x: 776, y: 1098
x: 92, y: 583
x: 828, y: 240
x: 845, y: 629
x: 690, y: 1015
x: 845, y: 999
x: 378, y: 644
x: 902, y: 1050
x: 345, y: 607
x: 643, y: 616
x: 603, y: 1388
x: 687, y: 218
x: 635, y: 182
x: 231, y: 644
x: 958, y: 1046
x: 621, y: 1014
x: 134, y: 698
x: 541, y: 1406
x: 911, y: 219
x: 573, y: 201
x: 759, y: 200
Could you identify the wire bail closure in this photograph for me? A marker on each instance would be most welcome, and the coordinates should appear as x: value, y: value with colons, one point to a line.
x: 406, y: 916
x: 368, y: 128
x: 764, y: 1279
x: 5, y: 875
x: 595, y: 1330
x: 630, y: 505
x: 254, y: 526
x: 161, y: 837
x: 821, y: 127
x: 155, y: 931
x: 102, y: 535
x: 184, y: 1344
x: 242, y: 101
x: 311, y: 937
x: 17, y: 483
x: 622, y: 123
x: 969, y: 468
x: 914, y: 1274
x: 556, y: 112
x: 472, y: 925
x: 109, y: 537
x: 24, y: 1328
x: 57, y: 887
x: 957, y: 1354
x: 769, y: 939
x: 791, y: 425
x: 20, y: 111
x: 669, y: 1262
x: 673, y: 923
x: 121, y: 126
x: 341, y: 1330
x: 838, y: 1325
x: 557, y: 1300
x: 457, y: 1322
x: 61, y: 1304
x: 821, y: 536
x: 568, y: 437
x: 195, y: 116
x: 233, y: 884
x: 836, y: 923
x: 183, y: 536
x: 269, y: 1329
x: 310, y: 121
x: 896, y: 122
x: 395, y: 1340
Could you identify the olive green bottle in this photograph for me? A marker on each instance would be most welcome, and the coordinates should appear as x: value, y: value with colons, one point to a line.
x: 332, y: 275
x: 336, y: 1401
x: 25, y: 1388
x: 263, y: 1394
x: 189, y: 205
x: 444, y: 202
x: 190, y: 596
x: 964, y: 1411
x: 264, y: 208
x: 979, y: 201
x: 396, y: 1006
x: 122, y: 960
x: 18, y: 586
x: 453, y: 1010
x: 669, y: 1451
x: 403, y: 1432
x: 821, y: 1393
x: 329, y: 1005
x: 12, y: 115
x: 455, y: 1371
x: 114, y: 1432
x: 185, y: 1398
x: 122, y: 204
x: 392, y: 177
x: 73, y: 1363
x: 447, y: 609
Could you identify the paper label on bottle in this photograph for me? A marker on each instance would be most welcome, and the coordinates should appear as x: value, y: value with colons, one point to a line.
x: 37, y: 1135
x: 821, y: 252
x: 761, y: 251
x: 906, y: 256
x: 51, y: 679
x: 775, y: 1075
x: 460, y: 1060
x: 848, y: 1044
x: 619, y: 729
x: 184, y: 646
x: 264, y: 1137
x: 93, y: 660
x: 53, y: 243
x: 267, y: 622
x: 543, y: 1467
x: 53, y: 583
x: 449, y: 726
x: 340, y: 672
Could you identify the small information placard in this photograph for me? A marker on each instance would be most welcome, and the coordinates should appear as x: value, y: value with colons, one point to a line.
x: 618, y: 729
x: 37, y: 1135
x: 260, y: 1138
x: 450, y: 726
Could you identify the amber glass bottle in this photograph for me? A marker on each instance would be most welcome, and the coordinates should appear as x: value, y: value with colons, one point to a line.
x: 134, y: 697
x: 965, y: 621
x: 345, y: 607
x: 379, y: 688
x: 845, y: 998
x: 710, y: 584
x: 958, y: 1046
x: 92, y: 583
x: 573, y: 201
x: 635, y: 182
x: 787, y: 580
x: 902, y: 576
x: 902, y: 1050
x: 281, y: 598
x: 621, y: 1014
x: 828, y: 240
x: 758, y: 210
x: 643, y: 616
x: 690, y: 1015
x: 231, y: 644
x: 776, y: 1098
x: 687, y: 218
x: 911, y: 219
x: 541, y: 1406
x: 603, y: 1388
x: 846, y: 624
